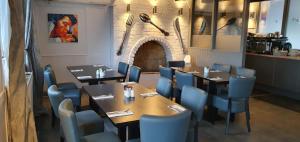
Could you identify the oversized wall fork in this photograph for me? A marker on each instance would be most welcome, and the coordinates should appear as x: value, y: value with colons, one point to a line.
x: 129, y: 24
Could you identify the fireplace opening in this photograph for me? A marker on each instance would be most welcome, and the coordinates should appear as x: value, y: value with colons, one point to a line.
x: 149, y: 56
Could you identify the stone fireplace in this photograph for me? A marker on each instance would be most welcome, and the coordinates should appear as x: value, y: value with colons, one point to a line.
x: 144, y: 35
x: 150, y: 56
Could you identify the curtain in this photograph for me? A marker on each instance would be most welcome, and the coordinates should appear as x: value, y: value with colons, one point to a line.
x: 20, y: 115
x: 32, y: 59
x: 5, y: 32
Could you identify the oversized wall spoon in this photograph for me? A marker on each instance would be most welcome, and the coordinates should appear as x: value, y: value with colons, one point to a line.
x: 146, y: 19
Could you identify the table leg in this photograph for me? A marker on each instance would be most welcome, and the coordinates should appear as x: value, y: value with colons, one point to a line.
x: 122, y: 133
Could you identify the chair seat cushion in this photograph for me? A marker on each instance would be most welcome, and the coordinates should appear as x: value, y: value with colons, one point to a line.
x: 89, y: 122
x: 221, y: 102
x: 66, y: 85
x: 101, y: 137
x: 74, y: 95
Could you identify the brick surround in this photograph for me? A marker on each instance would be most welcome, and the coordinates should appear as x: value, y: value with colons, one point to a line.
x: 144, y: 32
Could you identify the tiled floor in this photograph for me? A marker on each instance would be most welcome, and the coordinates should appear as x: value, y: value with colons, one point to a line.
x: 270, y: 123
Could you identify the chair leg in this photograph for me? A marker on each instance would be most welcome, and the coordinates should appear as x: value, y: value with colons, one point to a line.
x: 53, y: 118
x: 227, y: 122
x: 248, y: 117
x: 62, y: 139
x: 196, y: 133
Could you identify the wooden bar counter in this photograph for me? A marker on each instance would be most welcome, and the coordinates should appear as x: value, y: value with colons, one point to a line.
x: 279, y: 75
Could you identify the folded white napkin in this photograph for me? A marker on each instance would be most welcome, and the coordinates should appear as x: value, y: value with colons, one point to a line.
x: 177, y: 108
x: 128, y: 83
x: 242, y: 76
x: 119, y: 113
x: 84, y: 77
x: 215, y: 71
x: 98, y: 65
x: 149, y: 94
x: 216, y: 78
x: 109, y: 69
x: 103, y: 97
x: 77, y: 70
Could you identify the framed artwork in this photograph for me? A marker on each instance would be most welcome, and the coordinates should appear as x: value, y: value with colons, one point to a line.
x: 63, y: 28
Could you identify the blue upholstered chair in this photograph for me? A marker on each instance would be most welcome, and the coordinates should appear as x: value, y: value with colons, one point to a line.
x: 240, y: 71
x: 166, y: 72
x: 135, y: 73
x: 237, y: 99
x: 123, y: 69
x: 164, y: 128
x: 182, y: 79
x: 164, y: 87
x: 89, y: 122
x: 68, y: 89
x: 50, y: 79
x: 69, y: 123
x: 221, y: 67
x: 176, y: 64
x: 194, y: 99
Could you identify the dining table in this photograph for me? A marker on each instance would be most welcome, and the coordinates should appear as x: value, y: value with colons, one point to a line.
x: 111, y: 100
x: 209, y: 81
x: 87, y: 73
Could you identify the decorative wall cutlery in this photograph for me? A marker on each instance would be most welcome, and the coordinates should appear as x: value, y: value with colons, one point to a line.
x: 146, y: 19
x: 178, y: 33
x: 129, y: 24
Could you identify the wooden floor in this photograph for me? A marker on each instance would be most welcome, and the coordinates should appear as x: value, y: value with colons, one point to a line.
x: 270, y: 123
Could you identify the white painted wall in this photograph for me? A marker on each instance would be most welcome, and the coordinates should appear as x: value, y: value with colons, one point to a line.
x: 293, y: 27
x: 94, y: 46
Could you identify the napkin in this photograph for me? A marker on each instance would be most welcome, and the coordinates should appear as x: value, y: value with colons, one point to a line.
x: 84, y: 77
x: 119, y: 113
x: 177, y: 108
x: 242, y: 76
x: 98, y: 65
x: 103, y: 97
x: 215, y: 71
x: 109, y: 69
x: 216, y: 78
x: 128, y: 83
x: 149, y: 94
x: 77, y: 70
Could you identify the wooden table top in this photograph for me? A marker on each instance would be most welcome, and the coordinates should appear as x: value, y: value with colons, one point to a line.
x: 139, y: 105
x: 90, y: 70
x: 199, y: 72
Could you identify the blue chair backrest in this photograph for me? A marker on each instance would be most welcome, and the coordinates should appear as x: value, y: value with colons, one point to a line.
x: 176, y: 64
x: 48, y: 66
x: 135, y: 73
x: 165, y: 129
x: 49, y: 77
x: 166, y: 72
x: 164, y: 87
x: 56, y: 97
x: 240, y: 71
x: 194, y: 99
x: 240, y: 88
x: 123, y: 68
x: 68, y: 121
x: 221, y: 67
x: 183, y: 79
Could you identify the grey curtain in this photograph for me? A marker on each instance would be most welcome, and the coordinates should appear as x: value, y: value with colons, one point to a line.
x: 20, y: 114
x: 32, y: 59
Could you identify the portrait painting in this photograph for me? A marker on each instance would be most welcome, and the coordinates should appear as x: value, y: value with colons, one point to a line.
x: 63, y: 28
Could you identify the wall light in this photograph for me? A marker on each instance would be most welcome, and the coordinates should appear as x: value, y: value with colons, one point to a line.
x: 180, y: 11
x: 128, y: 8
x: 154, y: 10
